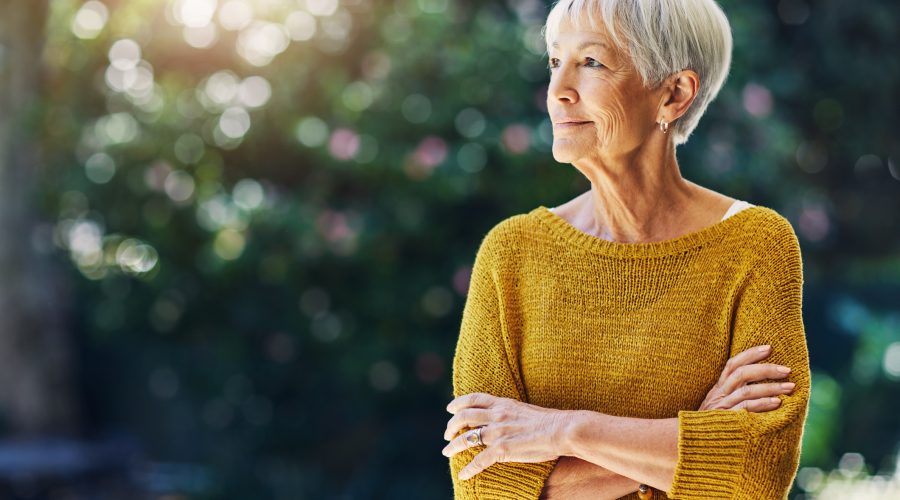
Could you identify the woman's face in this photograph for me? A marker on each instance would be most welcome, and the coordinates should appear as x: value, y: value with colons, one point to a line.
x: 592, y: 82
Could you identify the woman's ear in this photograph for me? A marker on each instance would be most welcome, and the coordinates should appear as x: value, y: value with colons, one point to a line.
x: 680, y: 90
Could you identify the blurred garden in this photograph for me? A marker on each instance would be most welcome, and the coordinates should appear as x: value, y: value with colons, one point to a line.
x: 237, y: 234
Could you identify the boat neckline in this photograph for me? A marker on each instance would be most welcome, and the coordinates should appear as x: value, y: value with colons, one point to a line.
x: 569, y: 233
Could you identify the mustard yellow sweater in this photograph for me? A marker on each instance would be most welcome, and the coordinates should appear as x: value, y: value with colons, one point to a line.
x: 562, y: 319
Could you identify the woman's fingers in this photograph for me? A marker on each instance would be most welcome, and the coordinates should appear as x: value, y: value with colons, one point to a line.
x: 469, y: 417
x: 755, y: 392
x: 459, y: 443
x: 743, y: 375
x: 759, y: 405
x: 736, y: 388
x: 743, y: 358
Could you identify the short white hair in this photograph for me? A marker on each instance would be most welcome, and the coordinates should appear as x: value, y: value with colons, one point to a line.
x: 662, y: 37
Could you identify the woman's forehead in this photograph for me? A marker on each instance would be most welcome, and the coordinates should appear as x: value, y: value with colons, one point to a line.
x: 581, y: 39
x: 570, y: 32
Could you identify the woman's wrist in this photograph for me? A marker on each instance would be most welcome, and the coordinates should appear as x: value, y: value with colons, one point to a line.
x: 589, y: 482
x: 574, y: 440
x: 599, y: 487
x: 572, y: 433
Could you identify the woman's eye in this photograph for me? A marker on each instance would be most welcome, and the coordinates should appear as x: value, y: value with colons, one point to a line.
x: 554, y: 62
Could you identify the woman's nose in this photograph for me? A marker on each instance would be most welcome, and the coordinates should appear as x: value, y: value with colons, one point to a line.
x: 561, y: 87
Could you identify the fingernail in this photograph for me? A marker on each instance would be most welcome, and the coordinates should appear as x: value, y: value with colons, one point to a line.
x: 787, y: 385
x: 774, y: 400
x: 764, y: 348
x: 784, y: 369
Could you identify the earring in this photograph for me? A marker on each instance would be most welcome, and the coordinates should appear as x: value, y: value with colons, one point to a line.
x: 664, y: 126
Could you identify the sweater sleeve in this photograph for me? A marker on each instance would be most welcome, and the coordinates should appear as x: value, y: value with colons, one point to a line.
x: 482, y: 363
x: 741, y: 454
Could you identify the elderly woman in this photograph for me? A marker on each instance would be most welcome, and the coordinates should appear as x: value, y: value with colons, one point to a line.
x: 614, y: 346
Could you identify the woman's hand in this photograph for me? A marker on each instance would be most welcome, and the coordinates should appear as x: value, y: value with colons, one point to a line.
x: 734, y: 391
x: 514, y: 431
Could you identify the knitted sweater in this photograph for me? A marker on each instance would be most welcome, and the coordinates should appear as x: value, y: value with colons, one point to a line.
x: 562, y: 319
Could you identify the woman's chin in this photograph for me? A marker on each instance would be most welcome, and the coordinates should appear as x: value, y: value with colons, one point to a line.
x: 566, y: 154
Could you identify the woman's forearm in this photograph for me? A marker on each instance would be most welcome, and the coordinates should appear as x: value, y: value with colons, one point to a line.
x: 577, y: 479
x: 643, y: 449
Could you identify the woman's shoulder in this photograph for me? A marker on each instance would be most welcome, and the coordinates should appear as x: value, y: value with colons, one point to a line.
x: 510, y: 232
x: 772, y: 241
x: 769, y: 225
x: 503, y: 243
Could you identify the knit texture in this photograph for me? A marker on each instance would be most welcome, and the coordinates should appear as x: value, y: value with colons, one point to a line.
x: 562, y: 319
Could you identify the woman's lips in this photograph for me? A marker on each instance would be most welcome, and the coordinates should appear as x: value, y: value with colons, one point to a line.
x: 570, y: 124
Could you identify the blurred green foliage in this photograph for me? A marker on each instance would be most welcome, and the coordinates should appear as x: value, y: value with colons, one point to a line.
x: 271, y: 209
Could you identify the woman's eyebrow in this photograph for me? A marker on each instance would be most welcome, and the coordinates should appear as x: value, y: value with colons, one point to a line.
x: 583, y: 45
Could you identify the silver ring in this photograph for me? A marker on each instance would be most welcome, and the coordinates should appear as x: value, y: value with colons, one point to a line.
x: 474, y: 438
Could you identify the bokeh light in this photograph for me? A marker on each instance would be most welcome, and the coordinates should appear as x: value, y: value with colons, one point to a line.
x: 179, y: 185
x: 416, y: 108
x: 134, y: 256
x: 90, y: 19
x: 757, y: 100
x: 321, y: 7
x: 100, y: 168
x: 344, y: 143
x: 300, y: 25
x: 229, y: 244
x: 235, y: 15
x: 248, y: 194
x: 516, y: 138
x: 471, y: 157
x: 311, y: 131
x: 234, y: 122
x: 892, y: 361
x: 261, y: 41
x: 470, y: 123
x: 194, y: 13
